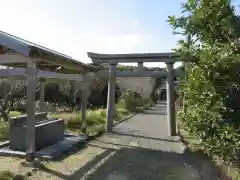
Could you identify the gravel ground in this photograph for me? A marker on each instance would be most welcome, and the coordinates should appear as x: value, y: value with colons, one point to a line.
x: 138, y: 149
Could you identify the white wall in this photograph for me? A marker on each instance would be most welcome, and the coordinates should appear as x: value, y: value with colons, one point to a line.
x: 142, y: 85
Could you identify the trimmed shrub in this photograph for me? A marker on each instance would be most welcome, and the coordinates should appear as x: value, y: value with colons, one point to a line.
x: 211, y: 88
x: 131, y: 100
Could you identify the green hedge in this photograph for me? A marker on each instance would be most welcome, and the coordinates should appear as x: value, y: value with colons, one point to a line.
x: 212, y: 86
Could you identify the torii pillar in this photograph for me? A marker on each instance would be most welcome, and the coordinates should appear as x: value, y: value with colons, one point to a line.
x: 171, y: 117
x: 111, y: 96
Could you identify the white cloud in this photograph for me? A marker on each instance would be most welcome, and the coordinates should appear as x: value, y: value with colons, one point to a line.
x: 121, y: 43
x: 136, y: 22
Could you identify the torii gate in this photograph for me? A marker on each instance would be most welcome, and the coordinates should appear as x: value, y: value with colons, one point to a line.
x: 113, y: 59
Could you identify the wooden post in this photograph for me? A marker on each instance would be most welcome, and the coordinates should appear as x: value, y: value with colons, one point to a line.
x: 75, y: 101
x: 31, y: 88
x: 74, y: 95
x: 86, y: 91
x: 111, y: 96
x: 171, y: 119
x: 84, y: 110
x: 42, y: 95
x: 12, y: 82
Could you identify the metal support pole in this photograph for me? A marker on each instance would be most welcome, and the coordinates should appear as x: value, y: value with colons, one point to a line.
x: 31, y: 88
x: 42, y: 95
x: 171, y: 119
x: 111, y: 97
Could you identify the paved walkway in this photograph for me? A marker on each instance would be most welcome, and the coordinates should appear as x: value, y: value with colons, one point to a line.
x: 138, y: 149
x: 144, y: 152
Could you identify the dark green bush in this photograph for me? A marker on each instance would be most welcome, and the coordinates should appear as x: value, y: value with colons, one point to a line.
x: 211, y: 88
x: 131, y: 100
x: 7, y: 175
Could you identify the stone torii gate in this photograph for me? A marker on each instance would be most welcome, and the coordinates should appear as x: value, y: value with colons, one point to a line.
x: 113, y: 59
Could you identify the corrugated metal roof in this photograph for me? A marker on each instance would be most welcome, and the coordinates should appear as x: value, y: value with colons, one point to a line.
x: 25, y: 47
x: 29, y: 44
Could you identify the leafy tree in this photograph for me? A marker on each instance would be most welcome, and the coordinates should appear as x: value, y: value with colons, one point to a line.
x: 212, y: 86
x: 126, y: 68
x: 10, y: 97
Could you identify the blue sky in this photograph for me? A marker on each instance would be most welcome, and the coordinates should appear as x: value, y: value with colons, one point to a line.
x: 75, y: 27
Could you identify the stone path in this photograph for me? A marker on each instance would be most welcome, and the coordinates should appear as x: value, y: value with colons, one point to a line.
x: 138, y: 149
x: 145, y: 152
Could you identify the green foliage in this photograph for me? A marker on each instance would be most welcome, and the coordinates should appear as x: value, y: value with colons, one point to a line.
x: 212, y: 86
x: 7, y: 175
x: 131, y: 100
x: 126, y: 68
x: 4, y: 128
x: 146, y: 103
x: 74, y: 119
x: 55, y: 93
x: 94, y: 118
x: 133, y: 68
x: 14, y: 113
x: 121, y: 112
x: 4, y: 88
x: 3, y: 131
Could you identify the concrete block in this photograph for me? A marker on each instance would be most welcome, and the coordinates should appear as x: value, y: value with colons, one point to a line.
x: 48, y: 132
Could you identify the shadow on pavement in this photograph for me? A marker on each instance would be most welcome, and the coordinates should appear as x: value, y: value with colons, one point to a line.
x: 168, y: 139
x: 70, y: 152
x: 154, y: 112
x: 80, y: 172
x: 132, y: 163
